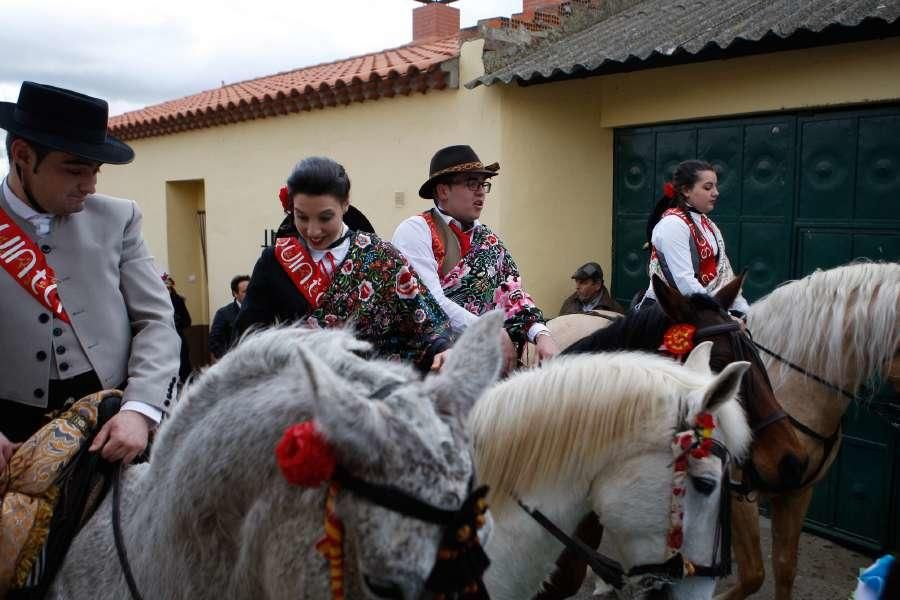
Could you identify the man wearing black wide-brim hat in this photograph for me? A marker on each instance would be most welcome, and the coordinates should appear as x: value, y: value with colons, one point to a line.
x: 464, y: 265
x: 84, y: 308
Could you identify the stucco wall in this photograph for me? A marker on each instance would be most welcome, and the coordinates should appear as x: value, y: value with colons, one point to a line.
x: 552, y: 202
x: 385, y: 146
x: 842, y: 74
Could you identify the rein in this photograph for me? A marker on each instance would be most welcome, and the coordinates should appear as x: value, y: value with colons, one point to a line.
x: 676, y: 567
x: 117, y: 535
x: 804, y: 372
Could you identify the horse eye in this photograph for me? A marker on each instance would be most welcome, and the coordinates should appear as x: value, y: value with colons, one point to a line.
x: 703, y: 485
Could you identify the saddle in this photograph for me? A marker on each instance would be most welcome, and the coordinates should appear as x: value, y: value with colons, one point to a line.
x: 50, y: 488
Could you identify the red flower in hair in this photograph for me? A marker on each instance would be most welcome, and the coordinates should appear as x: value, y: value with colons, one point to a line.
x: 304, y: 456
x: 285, y: 198
x: 669, y: 190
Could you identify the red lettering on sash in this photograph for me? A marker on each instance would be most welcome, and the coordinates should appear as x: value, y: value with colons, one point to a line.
x: 303, y: 272
x: 23, y: 260
x: 705, y: 250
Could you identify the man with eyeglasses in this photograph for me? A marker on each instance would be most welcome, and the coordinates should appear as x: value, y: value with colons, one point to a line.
x: 464, y: 265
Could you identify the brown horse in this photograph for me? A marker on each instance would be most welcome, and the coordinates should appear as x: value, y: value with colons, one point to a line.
x: 777, y: 457
x: 840, y: 325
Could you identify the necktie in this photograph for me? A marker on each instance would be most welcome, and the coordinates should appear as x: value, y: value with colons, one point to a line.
x: 326, y: 265
x: 465, y: 239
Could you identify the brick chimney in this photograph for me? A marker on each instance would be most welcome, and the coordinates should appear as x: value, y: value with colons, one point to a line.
x: 434, y: 19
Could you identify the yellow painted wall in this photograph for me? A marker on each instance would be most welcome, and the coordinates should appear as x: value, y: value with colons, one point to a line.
x: 184, y: 248
x: 832, y: 75
x: 385, y: 145
x: 552, y: 201
x: 556, y: 166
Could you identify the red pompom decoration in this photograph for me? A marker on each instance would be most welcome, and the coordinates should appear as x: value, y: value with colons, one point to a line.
x: 679, y: 339
x: 705, y: 421
x: 669, y: 190
x: 702, y: 451
x: 285, y: 198
x: 304, y: 456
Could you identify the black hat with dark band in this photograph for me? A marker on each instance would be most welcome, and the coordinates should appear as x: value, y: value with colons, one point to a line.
x: 66, y: 121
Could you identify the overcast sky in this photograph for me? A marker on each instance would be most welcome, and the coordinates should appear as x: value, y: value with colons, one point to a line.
x: 135, y: 53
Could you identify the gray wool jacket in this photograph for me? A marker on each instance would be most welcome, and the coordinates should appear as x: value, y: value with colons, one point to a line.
x: 119, y: 308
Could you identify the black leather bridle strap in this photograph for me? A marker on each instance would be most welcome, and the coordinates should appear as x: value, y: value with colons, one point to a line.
x: 395, y: 500
x: 117, y: 535
x: 806, y: 373
x: 607, y: 569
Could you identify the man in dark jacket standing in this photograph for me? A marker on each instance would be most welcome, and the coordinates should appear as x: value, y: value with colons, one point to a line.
x: 590, y: 292
x: 222, y: 330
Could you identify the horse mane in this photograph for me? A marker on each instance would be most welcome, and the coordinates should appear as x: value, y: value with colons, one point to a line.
x: 554, y: 424
x: 637, y: 330
x: 840, y: 324
x: 262, y: 356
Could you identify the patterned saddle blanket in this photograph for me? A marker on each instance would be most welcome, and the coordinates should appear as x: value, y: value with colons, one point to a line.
x: 49, y: 490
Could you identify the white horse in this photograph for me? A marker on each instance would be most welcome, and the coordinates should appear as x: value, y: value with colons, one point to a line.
x: 212, y: 517
x: 841, y: 325
x: 595, y: 432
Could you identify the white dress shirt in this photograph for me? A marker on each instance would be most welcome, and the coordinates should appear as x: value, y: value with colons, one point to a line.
x: 413, y: 239
x: 672, y: 239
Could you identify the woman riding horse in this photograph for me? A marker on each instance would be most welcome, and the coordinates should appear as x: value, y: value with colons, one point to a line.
x: 327, y: 274
x: 687, y: 248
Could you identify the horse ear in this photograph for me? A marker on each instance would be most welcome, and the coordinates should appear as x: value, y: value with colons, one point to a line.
x: 670, y: 299
x: 351, y: 423
x: 725, y: 296
x: 698, y: 359
x: 725, y: 386
x: 472, y: 367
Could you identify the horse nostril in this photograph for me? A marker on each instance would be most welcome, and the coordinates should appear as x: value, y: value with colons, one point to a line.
x: 383, y: 589
x: 791, y: 470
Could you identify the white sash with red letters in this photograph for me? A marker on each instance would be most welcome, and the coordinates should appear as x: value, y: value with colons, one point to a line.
x: 302, y: 270
x: 23, y: 260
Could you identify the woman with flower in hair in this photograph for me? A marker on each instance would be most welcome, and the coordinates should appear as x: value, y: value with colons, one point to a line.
x: 327, y: 274
x: 687, y: 250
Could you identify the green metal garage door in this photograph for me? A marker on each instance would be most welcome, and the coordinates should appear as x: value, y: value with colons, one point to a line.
x: 798, y: 192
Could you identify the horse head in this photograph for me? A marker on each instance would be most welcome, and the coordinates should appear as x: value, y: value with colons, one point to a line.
x: 405, y: 469
x: 639, y: 439
x: 777, y: 458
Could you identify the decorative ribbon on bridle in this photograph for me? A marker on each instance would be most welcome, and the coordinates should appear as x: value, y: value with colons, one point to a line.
x: 306, y: 459
x: 696, y: 442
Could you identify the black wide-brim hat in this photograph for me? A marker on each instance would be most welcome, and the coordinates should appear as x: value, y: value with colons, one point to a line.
x: 66, y: 121
x: 455, y: 159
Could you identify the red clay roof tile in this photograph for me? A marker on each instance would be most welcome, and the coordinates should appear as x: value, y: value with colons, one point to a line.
x: 403, y: 70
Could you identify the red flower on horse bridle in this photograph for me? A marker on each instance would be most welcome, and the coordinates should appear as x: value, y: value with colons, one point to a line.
x: 304, y: 456
x: 678, y: 340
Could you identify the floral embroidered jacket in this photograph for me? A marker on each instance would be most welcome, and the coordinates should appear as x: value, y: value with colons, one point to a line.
x: 486, y: 278
x: 373, y: 289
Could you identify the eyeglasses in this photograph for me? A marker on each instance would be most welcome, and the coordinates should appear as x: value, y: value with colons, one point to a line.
x: 473, y: 183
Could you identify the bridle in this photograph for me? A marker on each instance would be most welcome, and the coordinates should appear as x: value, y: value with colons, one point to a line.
x: 676, y: 566
x: 744, y: 348
x: 461, y: 561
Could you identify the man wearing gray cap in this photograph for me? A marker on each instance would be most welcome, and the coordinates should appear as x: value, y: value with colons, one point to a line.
x: 590, y: 292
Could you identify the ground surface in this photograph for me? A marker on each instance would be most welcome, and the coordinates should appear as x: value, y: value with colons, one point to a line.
x: 826, y: 571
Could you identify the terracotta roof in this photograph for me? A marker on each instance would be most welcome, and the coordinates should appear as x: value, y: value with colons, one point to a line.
x: 396, y: 71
